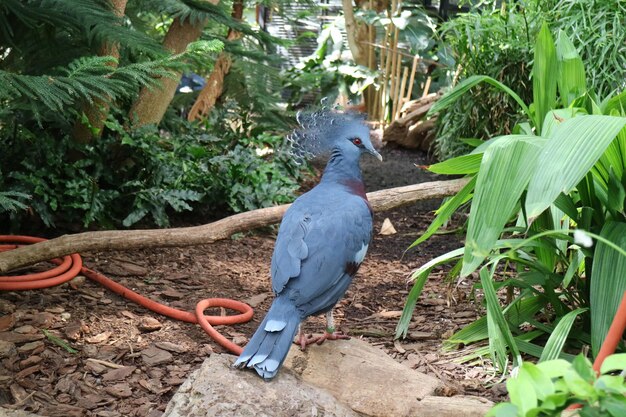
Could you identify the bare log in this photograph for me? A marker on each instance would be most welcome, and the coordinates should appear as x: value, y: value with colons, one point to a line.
x: 411, y: 129
x: 412, y: 105
x: 187, y: 236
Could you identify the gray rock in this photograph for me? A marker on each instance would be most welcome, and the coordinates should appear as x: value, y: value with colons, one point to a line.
x: 216, y: 389
x: 339, y: 378
x: 363, y: 377
x: 457, y: 406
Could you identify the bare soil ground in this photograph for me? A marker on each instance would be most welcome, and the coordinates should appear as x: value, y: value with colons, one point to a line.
x: 129, y: 361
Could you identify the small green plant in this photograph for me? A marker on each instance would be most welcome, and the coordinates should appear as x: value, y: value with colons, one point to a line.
x: 145, y: 176
x: 551, y: 387
x: 495, y: 42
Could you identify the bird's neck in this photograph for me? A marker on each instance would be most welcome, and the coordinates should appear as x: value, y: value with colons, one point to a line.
x: 342, y: 168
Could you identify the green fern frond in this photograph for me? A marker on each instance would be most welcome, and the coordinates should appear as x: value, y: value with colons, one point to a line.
x: 197, y: 11
x: 9, y: 201
x: 84, y: 79
x: 92, y: 19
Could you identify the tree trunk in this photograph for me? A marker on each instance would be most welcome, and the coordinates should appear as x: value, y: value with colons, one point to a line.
x: 152, y: 102
x: 359, y: 37
x: 97, y: 111
x: 357, y: 34
x: 186, y: 236
x: 215, y: 82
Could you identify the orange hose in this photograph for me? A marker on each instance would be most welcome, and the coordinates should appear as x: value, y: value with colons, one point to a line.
x: 70, y: 266
x: 613, y: 337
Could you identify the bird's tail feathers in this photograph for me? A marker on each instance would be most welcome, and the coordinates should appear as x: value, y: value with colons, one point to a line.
x: 268, y: 347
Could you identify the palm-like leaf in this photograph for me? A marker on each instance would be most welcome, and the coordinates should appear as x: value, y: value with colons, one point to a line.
x: 567, y: 157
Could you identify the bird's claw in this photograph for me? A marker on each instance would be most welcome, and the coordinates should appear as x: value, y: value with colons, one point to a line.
x: 305, y: 340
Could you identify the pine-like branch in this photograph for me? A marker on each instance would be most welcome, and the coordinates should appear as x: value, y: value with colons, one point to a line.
x: 85, y: 79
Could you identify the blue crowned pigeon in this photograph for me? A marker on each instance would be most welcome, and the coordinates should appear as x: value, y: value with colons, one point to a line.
x: 321, y: 242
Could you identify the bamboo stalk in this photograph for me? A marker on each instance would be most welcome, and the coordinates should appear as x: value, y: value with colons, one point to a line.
x: 400, y: 99
x: 427, y: 87
x: 370, y: 92
x: 392, y: 72
x: 375, y: 106
x: 396, y: 91
x: 383, y: 97
x: 412, y: 79
x: 388, y: 74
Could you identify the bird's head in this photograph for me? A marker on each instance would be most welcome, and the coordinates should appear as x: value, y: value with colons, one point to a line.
x: 354, y: 139
x: 323, y: 131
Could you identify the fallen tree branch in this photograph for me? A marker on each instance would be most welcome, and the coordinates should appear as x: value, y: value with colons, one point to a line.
x: 187, y: 236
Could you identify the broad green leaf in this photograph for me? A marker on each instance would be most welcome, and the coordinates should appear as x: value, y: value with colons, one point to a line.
x: 578, y: 385
x: 571, y: 80
x: 567, y: 157
x: 555, y: 368
x: 557, y: 339
x: 617, y: 102
x: 544, y: 75
x: 613, y: 383
x: 536, y: 350
x: 437, y: 261
x: 446, y: 210
x: 577, y: 258
x: 555, y: 117
x: 542, y: 383
x: 565, y: 203
x: 615, y: 362
x: 506, y: 138
x: 608, y: 282
x: 503, y: 410
x: 522, y: 391
x: 461, y: 165
x: 504, y: 173
x: 547, y: 257
x: 497, y: 345
x: 615, y: 405
x: 494, y: 310
x: 554, y: 401
x: 407, y: 313
x: 560, y: 222
x: 461, y: 88
x: 473, y: 142
x: 615, y: 193
x: 583, y: 367
x: 614, y: 158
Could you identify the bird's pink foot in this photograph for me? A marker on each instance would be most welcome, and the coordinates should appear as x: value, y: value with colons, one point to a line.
x: 305, y: 340
x: 330, y: 336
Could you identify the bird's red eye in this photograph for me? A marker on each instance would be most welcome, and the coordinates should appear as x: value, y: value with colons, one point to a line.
x: 357, y: 141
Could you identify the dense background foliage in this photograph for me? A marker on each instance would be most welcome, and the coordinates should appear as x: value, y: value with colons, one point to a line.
x: 66, y: 61
x: 497, y: 38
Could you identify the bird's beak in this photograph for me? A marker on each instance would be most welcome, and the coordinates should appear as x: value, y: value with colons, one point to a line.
x: 373, y: 152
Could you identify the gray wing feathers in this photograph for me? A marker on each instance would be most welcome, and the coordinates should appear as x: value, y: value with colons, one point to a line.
x: 333, y: 240
x: 290, y: 250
